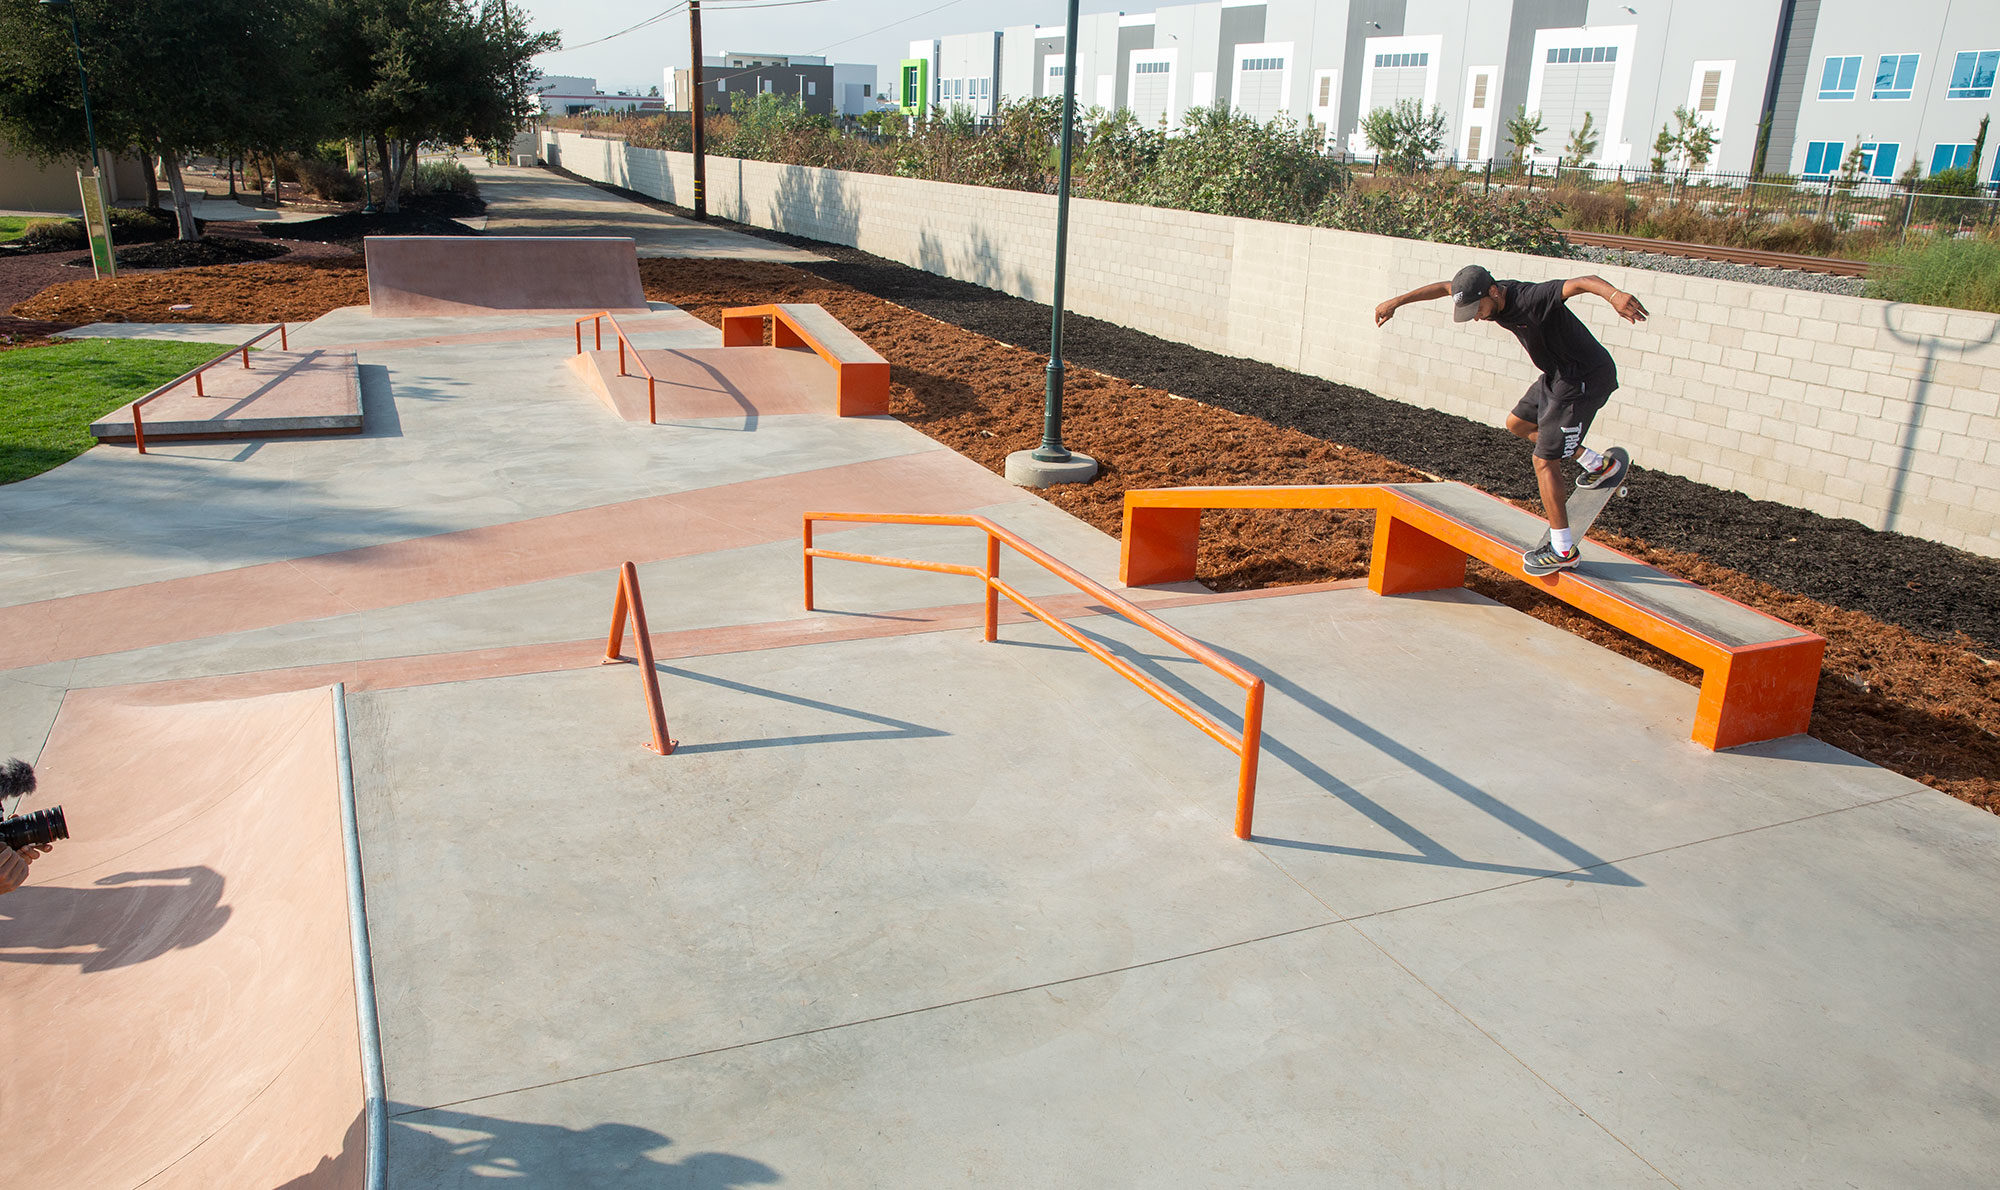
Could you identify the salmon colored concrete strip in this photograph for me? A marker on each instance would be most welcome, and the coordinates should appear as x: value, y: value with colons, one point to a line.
x: 177, y: 975
x: 420, y: 276
x: 434, y: 669
x: 659, y: 320
x: 676, y: 525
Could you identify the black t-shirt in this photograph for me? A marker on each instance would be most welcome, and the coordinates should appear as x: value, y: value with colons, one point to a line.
x: 1561, y: 346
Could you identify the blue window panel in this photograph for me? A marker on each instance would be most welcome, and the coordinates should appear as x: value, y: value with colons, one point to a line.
x: 1837, y: 80
x: 1972, y: 74
x: 1879, y: 160
x: 1951, y: 157
x: 1895, y: 75
x: 1822, y: 158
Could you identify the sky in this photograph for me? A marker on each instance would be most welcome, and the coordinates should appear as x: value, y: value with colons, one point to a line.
x: 864, y: 31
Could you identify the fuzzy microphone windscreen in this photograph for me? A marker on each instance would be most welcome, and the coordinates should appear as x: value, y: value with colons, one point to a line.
x: 17, y: 778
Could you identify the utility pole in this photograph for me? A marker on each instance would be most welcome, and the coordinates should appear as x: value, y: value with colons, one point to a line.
x: 1051, y: 463
x: 700, y: 133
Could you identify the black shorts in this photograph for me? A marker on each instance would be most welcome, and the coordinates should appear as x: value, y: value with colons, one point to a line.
x: 1562, y: 411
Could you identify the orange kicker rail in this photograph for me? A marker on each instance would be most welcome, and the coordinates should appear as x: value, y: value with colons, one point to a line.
x: 597, y: 322
x: 1749, y: 693
x: 1245, y: 745
x: 138, y: 423
x: 861, y: 386
x: 649, y: 677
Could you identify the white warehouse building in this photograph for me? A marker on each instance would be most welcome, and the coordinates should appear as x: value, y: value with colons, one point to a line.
x: 1812, y: 79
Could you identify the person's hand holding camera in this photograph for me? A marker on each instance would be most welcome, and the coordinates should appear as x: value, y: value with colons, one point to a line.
x: 14, y: 866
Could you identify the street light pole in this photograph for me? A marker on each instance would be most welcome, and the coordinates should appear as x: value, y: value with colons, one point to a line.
x: 82, y: 79
x: 700, y: 133
x: 1051, y: 463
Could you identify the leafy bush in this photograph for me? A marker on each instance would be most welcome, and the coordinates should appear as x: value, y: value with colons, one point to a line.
x: 447, y: 176
x: 1405, y: 136
x: 1940, y: 271
x: 128, y: 226
x: 327, y: 179
x: 1226, y: 163
x: 1445, y: 210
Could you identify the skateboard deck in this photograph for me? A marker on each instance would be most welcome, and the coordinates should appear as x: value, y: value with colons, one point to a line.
x: 1585, y: 504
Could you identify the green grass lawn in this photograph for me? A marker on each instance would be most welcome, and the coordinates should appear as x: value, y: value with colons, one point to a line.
x: 11, y: 227
x: 50, y: 395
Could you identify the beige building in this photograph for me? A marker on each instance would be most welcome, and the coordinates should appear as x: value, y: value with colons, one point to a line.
x: 28, y: 185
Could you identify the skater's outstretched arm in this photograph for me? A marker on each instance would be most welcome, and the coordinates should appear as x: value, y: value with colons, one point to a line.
x: 1432, y: 292
x: 1624, y: 304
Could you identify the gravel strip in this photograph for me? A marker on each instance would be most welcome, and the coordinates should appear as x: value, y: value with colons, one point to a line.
x: 1689, y: 266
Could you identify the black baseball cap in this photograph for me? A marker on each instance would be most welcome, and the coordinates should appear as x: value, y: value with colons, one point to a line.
x: 1471, y: 284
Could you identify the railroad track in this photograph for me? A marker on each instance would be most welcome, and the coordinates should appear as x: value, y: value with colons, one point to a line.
x: 1770, y: 260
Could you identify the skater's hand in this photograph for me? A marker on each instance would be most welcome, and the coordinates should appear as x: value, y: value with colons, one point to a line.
x: 1628, y: 307
x: 1385, y: 311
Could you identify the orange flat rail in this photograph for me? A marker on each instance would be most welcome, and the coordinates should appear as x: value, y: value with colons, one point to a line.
x: 597, y: 322
x: 861, y: 375
x: 194, y: 374
x: 1245, y: 744
x: 1750, y: 692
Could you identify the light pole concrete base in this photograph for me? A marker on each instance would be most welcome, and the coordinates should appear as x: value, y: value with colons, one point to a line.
x: 1025, y: 470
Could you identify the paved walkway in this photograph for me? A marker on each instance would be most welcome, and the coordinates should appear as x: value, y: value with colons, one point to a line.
x: 535, y: 202
x: 907, y: 908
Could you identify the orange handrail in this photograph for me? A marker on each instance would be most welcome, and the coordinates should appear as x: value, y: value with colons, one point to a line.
x: 649, y: 678
x: 1246, y: 744
x: 597, y: 328
x: 138, y: 423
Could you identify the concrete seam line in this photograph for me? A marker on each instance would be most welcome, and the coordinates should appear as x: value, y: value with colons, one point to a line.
x: 377, y: 1106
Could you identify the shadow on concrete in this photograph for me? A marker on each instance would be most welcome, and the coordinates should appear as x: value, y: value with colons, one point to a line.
x: 896, y: 729
x: 443, y: 1147
x: 115, y: 924
x: 1584, y: 865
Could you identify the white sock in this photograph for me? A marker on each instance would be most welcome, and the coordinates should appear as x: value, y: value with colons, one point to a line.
x: 1590, y: 459
x: 1563, y: 540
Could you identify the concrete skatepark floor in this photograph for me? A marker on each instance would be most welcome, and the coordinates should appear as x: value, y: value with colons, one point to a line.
x: 907, y: 908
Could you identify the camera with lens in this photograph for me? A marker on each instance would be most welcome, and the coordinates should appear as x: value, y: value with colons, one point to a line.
x: 38, y: 829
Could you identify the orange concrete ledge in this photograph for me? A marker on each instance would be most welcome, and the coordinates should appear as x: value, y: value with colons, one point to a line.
x: 421, y: 276
x: 1759, y: 674
x: 861, y: 385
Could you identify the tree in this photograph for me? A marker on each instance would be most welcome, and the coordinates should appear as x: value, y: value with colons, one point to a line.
x: 1582, y: 142
x: 1850, y: 169
x: 167, y: 78
x: 1665, y: 146
x: 411, y: 71
x: 1405, y: 135
x: 1695, y: 136
x: 1979, y: 145
x: 1525, y: 131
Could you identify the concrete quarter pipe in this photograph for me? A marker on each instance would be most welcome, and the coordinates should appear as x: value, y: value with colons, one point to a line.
x: 177, y: 976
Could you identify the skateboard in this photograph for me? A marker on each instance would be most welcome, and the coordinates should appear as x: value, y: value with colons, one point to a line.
x: 1585, y: 504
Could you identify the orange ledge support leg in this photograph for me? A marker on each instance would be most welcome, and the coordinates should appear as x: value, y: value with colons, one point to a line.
x: 782, y: 335
x: 1407, y: 559
x: 741, y: 331
x: 1159, y: 545
x: 862, y: 389
x: 1759, y: 694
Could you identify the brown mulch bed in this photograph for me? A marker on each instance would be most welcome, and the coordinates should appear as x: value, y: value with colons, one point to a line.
x: 1927, y: 708
x: 1916, y: 697
x: 257, y: 291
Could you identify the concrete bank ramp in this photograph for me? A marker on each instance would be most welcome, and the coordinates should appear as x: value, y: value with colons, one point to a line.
x: 428, y: 276
x: 177, y: 1000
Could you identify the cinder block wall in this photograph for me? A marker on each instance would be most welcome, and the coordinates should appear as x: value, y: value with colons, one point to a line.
x: 1850, y: 407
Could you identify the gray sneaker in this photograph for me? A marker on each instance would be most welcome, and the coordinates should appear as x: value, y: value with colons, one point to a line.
x: 1544, y: 559
x: 1610, y: 474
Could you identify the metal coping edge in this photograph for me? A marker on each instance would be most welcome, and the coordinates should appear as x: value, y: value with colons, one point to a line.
x: 377, y: 1169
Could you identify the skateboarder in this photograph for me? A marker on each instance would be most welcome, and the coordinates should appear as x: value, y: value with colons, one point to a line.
x: 1577, y: 378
